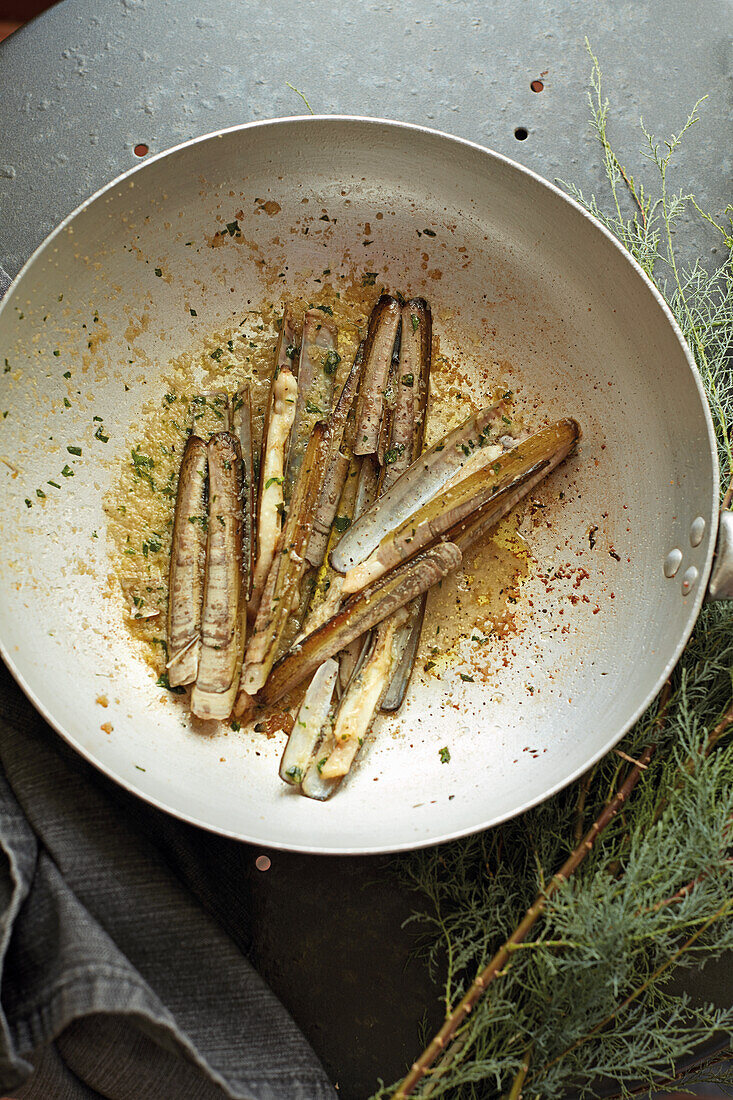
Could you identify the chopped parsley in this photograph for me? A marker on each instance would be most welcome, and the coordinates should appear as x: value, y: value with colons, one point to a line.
x: 465, y: 677
x: 326, y: 309
x: 67, y: 374
x: 235, y: 725
x: 28, y: 503
x: 342, y: 523
x: 216, y: 354
x: 159, y: 272
x: 429, y: 232
x: 408, y: 379
x: 74, y: 451
x: 444, y: 754
x: 54, y: 483
x: 40, y: 493
x: 292, y: 350
x: 193, y: 312
x: 369, y: 278
x: 415, y: 322
x: 67, y: 472
x: 274, y: 481
x: 57, y: 352
x: 151, y: 546
x: 233, y: 228
x: 295, y: 773
x: 313, y: 408
x: 99, y: 434
x: 331, y: 362
x: 394, y: 453
x: 142, y: 464
x: 164, y: 682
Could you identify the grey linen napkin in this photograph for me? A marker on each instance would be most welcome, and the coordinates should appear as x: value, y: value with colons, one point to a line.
x: 122, y: 943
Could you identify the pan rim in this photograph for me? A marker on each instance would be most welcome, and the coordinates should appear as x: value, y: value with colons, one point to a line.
x: 694, y: 601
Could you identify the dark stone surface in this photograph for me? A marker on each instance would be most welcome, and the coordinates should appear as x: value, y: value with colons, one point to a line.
x: 87, y: 81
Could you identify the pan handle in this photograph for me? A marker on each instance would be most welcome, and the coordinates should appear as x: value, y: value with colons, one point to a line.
x: 721, y: 577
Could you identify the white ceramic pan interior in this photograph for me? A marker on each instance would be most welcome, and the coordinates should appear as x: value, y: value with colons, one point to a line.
x: 533, y: 294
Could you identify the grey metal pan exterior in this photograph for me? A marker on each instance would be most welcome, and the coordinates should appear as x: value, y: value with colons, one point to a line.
x: 533, y: 292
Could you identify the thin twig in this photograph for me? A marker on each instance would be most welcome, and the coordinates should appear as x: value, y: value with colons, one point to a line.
x: 502, y: 958
x: 583, y: 789
x: 515, y: 1091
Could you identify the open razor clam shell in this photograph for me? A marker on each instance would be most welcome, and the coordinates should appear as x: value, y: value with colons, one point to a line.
x: 408, y: 428
x: 358, y: 615
x: 282, y: 587
x: 378, y: 345
x: 188, y: 554
x: 309, y: 722
x: 242, y: 427
x: 317, y: 365
x: 223, y: 619
x: 357, y: 709
x: 524, y: 465
x: 270, y: 501
x: 342, y: 442
x: 475, y: 441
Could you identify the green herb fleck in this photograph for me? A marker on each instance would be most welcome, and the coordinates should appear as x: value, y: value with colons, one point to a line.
x: 331, y: 361
x: 40, y: 493
x: 67, y: 472
x: 394, y: 453
x: 233, y: 227
x: 408, y: 379
x: 444, y: 755
x: 193, y: 312
x: 274, y: 481
x: 57, y: 352
x: 313, y: 408
x: 342, y: 523
x: 164, y: 682
x: 464, y: 676
x: 99, y: 434
x: 54, y: 483
x: 159, y: 272
x: 216, y: 354
x: 326, y: 309
x: 369, y: 278
x: 67, y: 374
x: 415, y: 322
x: 74, y: 451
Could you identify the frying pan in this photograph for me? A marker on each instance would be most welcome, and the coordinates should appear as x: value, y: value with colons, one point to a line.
x: 528, y: 292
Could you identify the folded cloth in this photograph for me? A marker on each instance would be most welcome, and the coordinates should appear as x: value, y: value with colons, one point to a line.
x: 122, y: 943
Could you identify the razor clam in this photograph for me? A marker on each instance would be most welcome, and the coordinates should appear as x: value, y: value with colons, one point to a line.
x: 358, y: 707
x: 359, y: 490
x: 472, y: 442
x: 223, y: 620
x: 358, y: 615
x: 482, y: 491
x: 317, y: 366
x: 380, y: 338
x: 282, y: 587
x: 188, y: 552
x: 242, y: 428
x: 408, y: 429
x: 342, y: 442
x: 270, y: 503
x: 309, y: 723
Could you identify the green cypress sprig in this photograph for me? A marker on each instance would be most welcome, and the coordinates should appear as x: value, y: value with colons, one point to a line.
x: 586, y: 995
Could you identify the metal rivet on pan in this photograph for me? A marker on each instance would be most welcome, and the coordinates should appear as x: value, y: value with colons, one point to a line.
x: 697, y: 530
x: 672, y: 562
x: 688, y: 581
